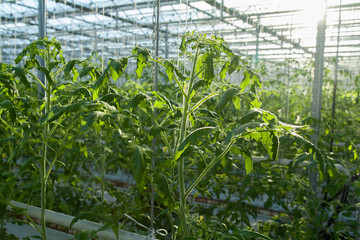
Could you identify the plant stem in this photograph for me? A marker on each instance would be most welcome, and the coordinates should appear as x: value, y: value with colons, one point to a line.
x: 186, y: 102
x: 209, y: 166
x: 102, y: 159
x: 43, y: 160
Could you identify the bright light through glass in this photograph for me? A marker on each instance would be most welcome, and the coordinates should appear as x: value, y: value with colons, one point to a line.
x: 313, y: 11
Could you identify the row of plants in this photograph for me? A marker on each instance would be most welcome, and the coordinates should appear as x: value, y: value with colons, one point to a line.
x: 59, y: 142
x: 332, y: 212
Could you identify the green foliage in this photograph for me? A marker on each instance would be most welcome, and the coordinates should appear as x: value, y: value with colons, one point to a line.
x: 202, y: 132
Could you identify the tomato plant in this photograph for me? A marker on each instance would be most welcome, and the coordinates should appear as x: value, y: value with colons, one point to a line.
x: 183, y: 140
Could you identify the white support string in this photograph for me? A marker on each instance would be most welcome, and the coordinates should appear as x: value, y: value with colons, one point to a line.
x: 160, y: 231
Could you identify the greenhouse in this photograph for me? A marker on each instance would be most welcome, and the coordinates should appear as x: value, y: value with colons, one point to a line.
x: 179, y: 119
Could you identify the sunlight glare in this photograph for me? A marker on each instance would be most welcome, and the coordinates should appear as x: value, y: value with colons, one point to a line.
x: 313, y: 11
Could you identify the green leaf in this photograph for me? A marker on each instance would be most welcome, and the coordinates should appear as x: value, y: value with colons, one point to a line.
x: 85, y: 215
x: 169, y: 69
x: 236, y: 101
x: 224, y: 70
x: 275, y: 147
x: 54, y: 114
x: 183, y: 44
x: 107, y: 226
x: 236, y: 132
x: 193, y: 138
x: 70, y: 66
x: 163, y: 189
x: 10, y: 108
x: 246, y: 80
x: 20, y: 72
x: 47, y: 74
x: 252, y: 114
x: 226, y: 98
x: 102, y: 80
x: 117, y: 67
x: 319, y: 157
x: 163, y: 99
x: 248, y: 162
x: 135, y: 101
x: 252, y: 234
x: 2, y: 210
x: 162, y: 185
x: 209, y: 67
x: 142, y: 56
x: 27, y: 134
x: 92, y: 117
x: 82, y: 91
x: 138, y: 164
x: 85, y: 71
x: 233, y: 64
x: 199, y: 83
x: 111, y: 97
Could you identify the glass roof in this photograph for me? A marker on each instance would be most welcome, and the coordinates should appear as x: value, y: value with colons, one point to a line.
x: 259, y: 29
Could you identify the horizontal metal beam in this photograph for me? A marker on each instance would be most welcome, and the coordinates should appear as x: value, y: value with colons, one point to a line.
x: 104, y: 12
x: 247, y: 19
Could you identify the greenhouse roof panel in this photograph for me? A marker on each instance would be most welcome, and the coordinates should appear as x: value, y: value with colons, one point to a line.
x: 271, y: 24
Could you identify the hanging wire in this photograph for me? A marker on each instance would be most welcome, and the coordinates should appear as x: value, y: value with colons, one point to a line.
x: 288, y: 66
x: 156, y: 30
x: 186, y: 27
x: 288, y: 58
x: 336, y: 75
x: 102, y: 39
x: 161, y: 231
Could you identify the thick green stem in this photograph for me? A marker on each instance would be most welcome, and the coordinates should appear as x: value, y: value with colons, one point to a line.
x: 43, y: 186
x: 43, y: 161
x: 186, y: 102
x: 102, y: 159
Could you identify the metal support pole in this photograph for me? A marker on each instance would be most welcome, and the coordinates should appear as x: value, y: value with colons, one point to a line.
x: 157, y: 43
x: 222, y: 10
x: 167, y: 43
x: 0, y: 50
x: 257, y: 41
x: 317, y: 88
x: 42, y: 34
x: 42, y: 18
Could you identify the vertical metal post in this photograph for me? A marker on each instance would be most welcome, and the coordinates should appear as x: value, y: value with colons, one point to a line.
x: 317, y: 87
x: 157, y: 43
x: 222, y: 10
x: 257, y: 41
x: 42, y: 18
x: 94, y: 47
x: 0, y: 49
x: 318, y: 77
x: 166, y: 43
x: 42, y: 34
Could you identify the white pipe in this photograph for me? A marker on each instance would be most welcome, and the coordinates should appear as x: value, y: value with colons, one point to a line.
x: 286, y: 162
x: 342, y: 144
x: 65, y: 220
